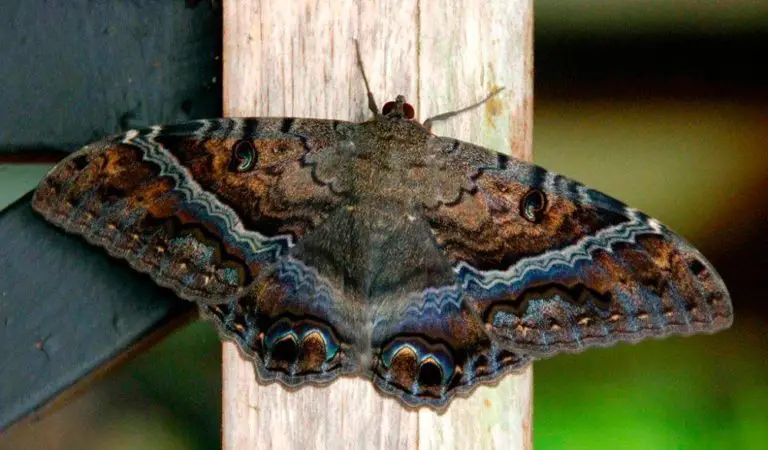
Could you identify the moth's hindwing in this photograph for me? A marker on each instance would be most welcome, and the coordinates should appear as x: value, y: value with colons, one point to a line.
x: 292, y: 325
x: 435, y: 349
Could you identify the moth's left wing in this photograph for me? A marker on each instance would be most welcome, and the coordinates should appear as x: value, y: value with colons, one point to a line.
x: 202, y: 207
x: 294, y: 326
x: 550, y: 265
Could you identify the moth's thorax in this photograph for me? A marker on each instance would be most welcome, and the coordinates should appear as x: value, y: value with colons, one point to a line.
x: 392, y: 141
x: 380, y: 243
x: 395, y: 160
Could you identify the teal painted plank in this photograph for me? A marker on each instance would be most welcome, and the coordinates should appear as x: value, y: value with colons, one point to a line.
x: 18, y: 179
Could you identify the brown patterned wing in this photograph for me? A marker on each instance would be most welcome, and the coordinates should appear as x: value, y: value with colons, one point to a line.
x: 550, y: 265
x: 436, y: 349
x: 293, y: 326
x: 202, y: 207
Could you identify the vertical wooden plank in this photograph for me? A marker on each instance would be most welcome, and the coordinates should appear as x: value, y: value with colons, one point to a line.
x: 461, y: 60
x: 296, y: 58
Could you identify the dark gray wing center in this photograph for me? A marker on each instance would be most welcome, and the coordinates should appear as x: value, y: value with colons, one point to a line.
x: 375, y: 251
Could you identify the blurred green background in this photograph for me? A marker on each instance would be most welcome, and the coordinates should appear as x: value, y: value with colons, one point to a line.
x: 661, y: 104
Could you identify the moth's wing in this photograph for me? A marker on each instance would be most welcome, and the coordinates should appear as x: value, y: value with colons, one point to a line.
x: 202, y: 207
x: 550, y: 265
x: 436, y: 349
x: 294, y: 326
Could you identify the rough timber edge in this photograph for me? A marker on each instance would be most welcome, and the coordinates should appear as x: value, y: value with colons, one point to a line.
x: 275, y: 71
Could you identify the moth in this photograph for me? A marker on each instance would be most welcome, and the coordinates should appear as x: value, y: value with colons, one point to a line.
x: 325, y: 248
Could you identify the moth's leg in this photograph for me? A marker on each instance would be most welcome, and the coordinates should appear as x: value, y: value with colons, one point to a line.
x: 371, y: 102
x: 444, y: 116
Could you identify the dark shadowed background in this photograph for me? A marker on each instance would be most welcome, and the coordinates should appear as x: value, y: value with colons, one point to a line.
x: 661, y: 104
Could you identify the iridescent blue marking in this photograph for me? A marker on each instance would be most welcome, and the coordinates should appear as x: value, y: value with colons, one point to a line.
x: 230, y: 276
x: 441, y: 359
x: 303, y: 286
x: 283, y: 329
x: 493, y: 362
x: 437, y: 299
x: 628, y: 307
x: 331, y: 346
x: 280, y: 334
x: 532, y: 277
x: 202, y: 254
x: 189, y: 280
x: 680, y: 303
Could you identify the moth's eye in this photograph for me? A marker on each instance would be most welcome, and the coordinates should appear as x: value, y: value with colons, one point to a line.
x: 243, y: 156
x: 533, y: 205
x: 408, y: 111
x: 387, y: 108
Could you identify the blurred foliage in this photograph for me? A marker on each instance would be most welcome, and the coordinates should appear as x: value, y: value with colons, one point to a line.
x: 696, y: 167
x: 183, y: 375
x: 701, y: 392
x: 575, y: 18
x: 688, y: 164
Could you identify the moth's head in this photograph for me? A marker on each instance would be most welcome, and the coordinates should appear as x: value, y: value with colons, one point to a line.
x: 398, y: 109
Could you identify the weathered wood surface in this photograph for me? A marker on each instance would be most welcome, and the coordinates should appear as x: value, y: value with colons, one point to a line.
x: 297, y: 58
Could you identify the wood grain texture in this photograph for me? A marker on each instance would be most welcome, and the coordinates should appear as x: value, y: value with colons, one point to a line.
x: 296, y: 58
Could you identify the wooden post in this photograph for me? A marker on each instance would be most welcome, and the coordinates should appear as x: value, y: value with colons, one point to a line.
x: 296, y: 58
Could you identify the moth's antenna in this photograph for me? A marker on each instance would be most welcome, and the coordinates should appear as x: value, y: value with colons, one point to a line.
x: 371, y: 102
x: 428, y: 123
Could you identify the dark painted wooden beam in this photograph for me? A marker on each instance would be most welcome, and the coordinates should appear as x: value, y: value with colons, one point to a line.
x: 74, y: 71
x: 68, y: 312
